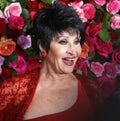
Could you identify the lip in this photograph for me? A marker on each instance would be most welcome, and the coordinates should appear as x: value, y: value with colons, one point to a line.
x: 69, y: 61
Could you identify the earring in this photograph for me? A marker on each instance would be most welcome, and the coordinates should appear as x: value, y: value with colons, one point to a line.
x: 43, y: 53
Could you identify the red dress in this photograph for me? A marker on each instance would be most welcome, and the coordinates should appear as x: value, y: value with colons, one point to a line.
x: 16, y: 95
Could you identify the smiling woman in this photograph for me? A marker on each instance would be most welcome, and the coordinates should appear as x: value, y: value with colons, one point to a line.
x: 53, y: 92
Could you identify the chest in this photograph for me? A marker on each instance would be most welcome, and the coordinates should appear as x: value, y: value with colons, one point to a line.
x: 50, y: 101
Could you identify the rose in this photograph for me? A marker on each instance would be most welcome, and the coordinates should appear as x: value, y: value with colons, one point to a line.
x: 32, y: 15
x: 115, y: 21
x: 79, y: 10
x: 20, y: 65
x: 81, y: 64
x: 107, y: 85
x: 65, y: 1
x: 33, y: 63
x: 114, y: 36
x: 16, y: 33
x: 32, y: 5
x: 100, y: 2
x: 16, y: 22
x: 89, y: 10
x: 116, y: 55
x: 93, y: 29
x: 110, y: 70
x: 97, y: 68
x: 1, y: 14
x: 91, y: 43
x: 103, y: 48
x: 2, y: 26
x: 7, y: 47
x: 24, y: 41
x: 2, y: 59
x: 14, y: 9
x: 6, y: 73
x: 113, y: 6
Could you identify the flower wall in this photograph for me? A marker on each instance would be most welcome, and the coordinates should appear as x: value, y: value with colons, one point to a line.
x: 100, y: 58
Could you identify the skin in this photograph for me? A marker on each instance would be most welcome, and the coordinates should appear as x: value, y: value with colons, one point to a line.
x: 57, y: 89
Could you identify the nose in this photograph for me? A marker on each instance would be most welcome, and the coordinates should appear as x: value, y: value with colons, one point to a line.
x: 71, y: 50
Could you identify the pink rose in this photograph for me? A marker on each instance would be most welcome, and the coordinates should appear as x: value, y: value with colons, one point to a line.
x: 0, y: 70
x: 107, y: 85
x: 97, y: 68
x: 113, y: 6
x: 100, y: 2
x: 91, y: 43
x: 20, y: 65
x: 116, y: 55
x: 1, y: 14
x: 115, y: 21
x: 79, y: 10
x: 89, y: 10
x: 104, y: 48
x: 93, y: 29
x: 118, y: 68
x: 16, y: 22
x: 110, y: 70
x: 14, y: 9
x: 32, y: 15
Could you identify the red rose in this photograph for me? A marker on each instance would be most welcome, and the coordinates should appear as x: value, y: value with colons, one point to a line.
x: 113, y: 36
x: 116, y: 55
x: 93, y: 29
x: 15, y: 33
x: 33, y: 63
x: 103, y: 48
x: 81, y: 64
x: 67, y: 1
x: 32, y: 5
x: 16, y: 22
x: 2, y: 26
x: 91, y: 43
x: 6, y: 73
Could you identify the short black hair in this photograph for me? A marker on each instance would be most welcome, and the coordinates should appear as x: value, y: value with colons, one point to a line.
x: 56, y: 19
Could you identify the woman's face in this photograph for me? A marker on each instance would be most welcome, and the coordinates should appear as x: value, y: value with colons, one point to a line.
x: 64, y: 51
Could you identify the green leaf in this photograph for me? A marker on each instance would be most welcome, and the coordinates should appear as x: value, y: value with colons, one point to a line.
x: 3, y: 4
x: 79, y: 72
x: 48, y: 1
x: 23, y: 3
x: 25, y: 14
x: 106, y: 21
x: 12, y: 58
x: 116, y: 43
x: 32, y: 53
x: 104, y: 35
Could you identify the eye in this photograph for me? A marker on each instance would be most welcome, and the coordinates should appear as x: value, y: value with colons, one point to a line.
x: 63, y: 42
x: 77, y: 42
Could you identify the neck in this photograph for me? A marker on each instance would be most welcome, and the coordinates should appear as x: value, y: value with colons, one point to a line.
x: 48, y: 72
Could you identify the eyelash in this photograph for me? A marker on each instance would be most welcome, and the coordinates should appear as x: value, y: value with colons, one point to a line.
x: 64, y: 42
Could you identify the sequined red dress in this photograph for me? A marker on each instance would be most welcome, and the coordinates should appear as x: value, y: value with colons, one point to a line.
x: 16, y: 95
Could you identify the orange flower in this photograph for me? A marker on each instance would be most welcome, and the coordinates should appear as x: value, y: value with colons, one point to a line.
x: 7, y: 46
x: 85, y: 50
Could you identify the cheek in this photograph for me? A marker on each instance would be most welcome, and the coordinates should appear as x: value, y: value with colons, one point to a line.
x: 79, y: 50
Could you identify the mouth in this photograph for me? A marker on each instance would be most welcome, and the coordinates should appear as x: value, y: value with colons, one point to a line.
x: 68, y: 61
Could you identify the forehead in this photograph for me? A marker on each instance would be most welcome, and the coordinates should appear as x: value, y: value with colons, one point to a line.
x: 67, y: 34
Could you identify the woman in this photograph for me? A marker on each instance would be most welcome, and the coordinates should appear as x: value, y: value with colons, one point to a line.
x: 53, y: 92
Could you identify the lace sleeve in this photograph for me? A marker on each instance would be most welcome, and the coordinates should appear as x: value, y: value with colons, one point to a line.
x: 8, y: 90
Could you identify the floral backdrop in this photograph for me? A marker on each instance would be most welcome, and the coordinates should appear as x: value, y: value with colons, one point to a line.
x: 100, y: 53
